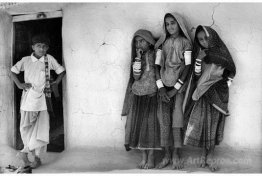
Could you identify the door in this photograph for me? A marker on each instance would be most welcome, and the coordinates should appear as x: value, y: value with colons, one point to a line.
x: 24, y: 30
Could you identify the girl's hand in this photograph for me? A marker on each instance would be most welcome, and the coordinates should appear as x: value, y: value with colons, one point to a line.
x: 201, y: 54
x: 25, y: 86
x: 138, y: 53
x: 172, y: 93
x: 163, y: 95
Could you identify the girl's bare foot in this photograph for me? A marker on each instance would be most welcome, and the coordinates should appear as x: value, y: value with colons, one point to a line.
x: 142, y: 164
x: 150, y: 160
x: 23, y: 156
x: 166, y: 160
x: 203, y: 158
x: 177, y: 163
x: 213, y: 166
x: 211, y: 161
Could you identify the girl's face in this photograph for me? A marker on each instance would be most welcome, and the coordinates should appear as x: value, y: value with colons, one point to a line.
x: 202, y: 39
x: 172, y: 26
x: 141, y: 43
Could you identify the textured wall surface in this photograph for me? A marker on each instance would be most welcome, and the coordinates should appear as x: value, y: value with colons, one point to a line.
x: 6, y: 86
x: 96, y: 46
x: 97, y: 41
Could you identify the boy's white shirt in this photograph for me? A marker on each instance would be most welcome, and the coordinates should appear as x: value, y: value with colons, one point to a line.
x: 34, y: 72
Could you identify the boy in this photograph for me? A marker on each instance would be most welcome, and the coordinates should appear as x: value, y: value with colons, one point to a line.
x: 34, y: 125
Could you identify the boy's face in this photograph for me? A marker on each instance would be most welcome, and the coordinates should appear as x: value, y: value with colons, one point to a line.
x: 141, y: 43
x: 172, y: 26
x: 202, y: 39
x: 40, y: 49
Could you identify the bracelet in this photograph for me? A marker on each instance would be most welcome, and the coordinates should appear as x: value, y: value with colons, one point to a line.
x: 159, y: 83
x: 158, y: 57
x: 136, y: 70
x: 178, y: 85
x: 198, y: 60
x: 180, y: 81
x: 137, y: 73
x: 137, y: 59
x: 230, y: 79
x: 198, y: 66
x: 187, y: 57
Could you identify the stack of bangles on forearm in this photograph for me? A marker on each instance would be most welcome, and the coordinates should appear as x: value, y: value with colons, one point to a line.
x: 137, y: 68
x: 177, y: 86
x: 198, y: 66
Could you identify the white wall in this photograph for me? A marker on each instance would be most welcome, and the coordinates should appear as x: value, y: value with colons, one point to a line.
x: 6, y: 88
x: 96, y: 44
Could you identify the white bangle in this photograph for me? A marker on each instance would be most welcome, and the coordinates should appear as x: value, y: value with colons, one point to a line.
x: 231, y: 79
x: 178, y: 86
x: 136, y: 70
x: 180, y: 81
x: 187, y: 56
x: 198, y: 60
x: 159, y: 83
x: 137, y: 73
x: 158, y: 57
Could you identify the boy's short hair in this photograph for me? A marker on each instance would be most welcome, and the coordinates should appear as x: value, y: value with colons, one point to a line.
x: 40, y: 38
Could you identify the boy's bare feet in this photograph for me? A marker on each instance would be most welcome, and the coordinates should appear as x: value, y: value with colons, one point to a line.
x: 36, y: 163
x: 150, y: 160
x: 142, y: 164
x: 23, y: 156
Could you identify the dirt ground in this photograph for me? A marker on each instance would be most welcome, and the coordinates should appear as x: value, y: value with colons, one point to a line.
x: 110, y: 160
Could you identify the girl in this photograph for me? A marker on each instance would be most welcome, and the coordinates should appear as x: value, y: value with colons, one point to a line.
x: 171, y: 73
x: 140, y: 105
x: 207, y: 107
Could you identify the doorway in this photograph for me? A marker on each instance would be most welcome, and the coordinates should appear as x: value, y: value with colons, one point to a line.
x: 23, y: 33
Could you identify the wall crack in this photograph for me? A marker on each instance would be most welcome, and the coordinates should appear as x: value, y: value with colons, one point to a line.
x: 213, y: 14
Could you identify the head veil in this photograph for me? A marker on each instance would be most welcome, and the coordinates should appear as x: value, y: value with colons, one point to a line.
x: 181, y: 23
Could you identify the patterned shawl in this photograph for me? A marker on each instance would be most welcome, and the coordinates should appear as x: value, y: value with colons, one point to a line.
x: 218, y: 94
x: 217, y: 52
x: 147, y: 35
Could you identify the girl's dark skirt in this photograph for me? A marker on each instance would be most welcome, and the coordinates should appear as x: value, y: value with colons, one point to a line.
x: 205, y: 127
x: 142, y: 126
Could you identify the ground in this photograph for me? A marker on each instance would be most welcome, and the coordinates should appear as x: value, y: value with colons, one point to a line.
x: 111, y: 160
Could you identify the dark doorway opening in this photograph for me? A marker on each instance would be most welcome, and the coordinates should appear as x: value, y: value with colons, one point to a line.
x: 23, y: 33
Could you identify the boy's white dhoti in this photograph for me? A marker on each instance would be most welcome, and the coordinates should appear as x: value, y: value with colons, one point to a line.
x: 34, y: 128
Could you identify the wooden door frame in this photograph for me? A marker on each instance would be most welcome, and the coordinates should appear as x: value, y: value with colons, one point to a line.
x: 22, y: 18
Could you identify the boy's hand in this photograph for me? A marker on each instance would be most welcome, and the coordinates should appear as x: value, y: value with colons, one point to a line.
x: 25, y: 86
x: 202, y: 54
x: 163, y: 95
